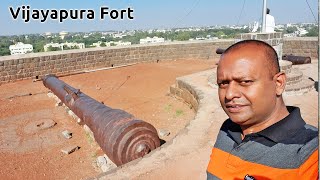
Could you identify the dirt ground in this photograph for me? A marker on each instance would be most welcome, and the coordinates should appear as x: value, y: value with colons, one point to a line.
x: 31, y: 125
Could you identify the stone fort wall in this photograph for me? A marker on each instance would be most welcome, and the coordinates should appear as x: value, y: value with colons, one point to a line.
x: 35, y: 65
x: 306, y: 46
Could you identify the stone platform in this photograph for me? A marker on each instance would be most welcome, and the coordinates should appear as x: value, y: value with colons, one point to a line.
x: 297, y: 83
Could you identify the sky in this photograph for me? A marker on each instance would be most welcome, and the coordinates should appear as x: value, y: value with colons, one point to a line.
x: 158, y: 14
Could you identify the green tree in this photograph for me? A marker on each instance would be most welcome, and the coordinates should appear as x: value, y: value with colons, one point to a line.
x: 4, y: 52
x: 38, y: 46
x: 183, y: 36
x: 50, y: 48
x: 220, y: 34
x: 313, y: 32
x: 291, y: 29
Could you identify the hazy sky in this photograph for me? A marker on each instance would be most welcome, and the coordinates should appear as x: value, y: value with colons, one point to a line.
x: 155, y: 14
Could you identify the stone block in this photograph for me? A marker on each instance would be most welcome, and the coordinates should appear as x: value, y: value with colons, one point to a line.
x: 19, y: 66
x: 314, y: 55
x: 27, y: 60
x: 13, y: 77
x: 6, y: 63
x: 304, y: 45
x: 15, y: 61
x: 66, y: 134
x: 163, y: 133
x: 63, y: 56
x: 70, y: 149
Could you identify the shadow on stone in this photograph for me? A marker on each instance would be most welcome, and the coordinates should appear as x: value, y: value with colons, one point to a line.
x: 162, y: 142
x: 316, y: 86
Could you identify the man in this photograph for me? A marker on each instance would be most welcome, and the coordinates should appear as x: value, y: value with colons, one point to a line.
x: 262, y: 139
x: 270, y: 23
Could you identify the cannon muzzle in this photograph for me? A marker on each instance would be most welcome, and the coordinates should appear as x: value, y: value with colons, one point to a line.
x: 220, y: 51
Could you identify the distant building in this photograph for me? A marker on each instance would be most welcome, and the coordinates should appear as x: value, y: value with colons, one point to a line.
x: 121, y: 43
x: 97, y: 44
x: 111, y: 43
x: 63, y: 34
x: 20, y: 48
x: 69, y: 45
x: 161, y: 30
x: 151, y: 40
x: 118, y: 35
x: 55, y: 45
x: 117, y: 43
x: 200, y: 38
x: 290, y: 35
x: 254, y: 26
x: 48, y: 34
x: 301, y: 31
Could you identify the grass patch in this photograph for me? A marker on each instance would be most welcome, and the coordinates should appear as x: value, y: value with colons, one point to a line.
x: 89, y: 138
x: 94, y: 155
x: 168, y: 107
x: 179, y: 112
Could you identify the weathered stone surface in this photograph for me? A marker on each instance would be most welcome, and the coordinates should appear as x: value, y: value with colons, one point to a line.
x: 67, y: 134
x: 59, y: 103
x: 39, y: 125
x: 102, y: 163
x: 105, y: 164
x: 163, y: 133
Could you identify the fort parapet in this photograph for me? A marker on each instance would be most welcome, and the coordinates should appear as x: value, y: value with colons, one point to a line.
x: 306, y: 46
x: 36, y: 65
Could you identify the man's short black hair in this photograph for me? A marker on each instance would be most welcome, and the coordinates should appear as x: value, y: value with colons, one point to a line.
x: 270, y: 54
x: 268, y: 10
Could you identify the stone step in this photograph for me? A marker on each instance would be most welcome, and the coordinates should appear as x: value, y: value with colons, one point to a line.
x: 303, y: 86
x: 174, y: 90
x: 294, y: 76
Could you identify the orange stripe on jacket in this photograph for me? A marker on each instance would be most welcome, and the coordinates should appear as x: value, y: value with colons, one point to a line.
x: 227, y: 166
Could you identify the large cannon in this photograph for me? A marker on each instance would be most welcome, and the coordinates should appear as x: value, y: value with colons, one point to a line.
x: 122, y: 137
x: 297, y: 59
x: 294, y: 59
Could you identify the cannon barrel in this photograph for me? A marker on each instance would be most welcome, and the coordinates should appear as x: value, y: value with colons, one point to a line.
x: 122, y: 137
x: 297, y: 59
x: 294, y: 59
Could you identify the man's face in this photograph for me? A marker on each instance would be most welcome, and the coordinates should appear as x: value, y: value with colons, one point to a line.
x: 247, y: 91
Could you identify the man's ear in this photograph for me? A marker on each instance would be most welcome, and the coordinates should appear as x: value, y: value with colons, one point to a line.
x: 280, y: 79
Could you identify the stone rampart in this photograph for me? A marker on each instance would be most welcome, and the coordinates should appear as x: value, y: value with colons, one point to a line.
x: 304, y: 46
x: 35, y: 65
